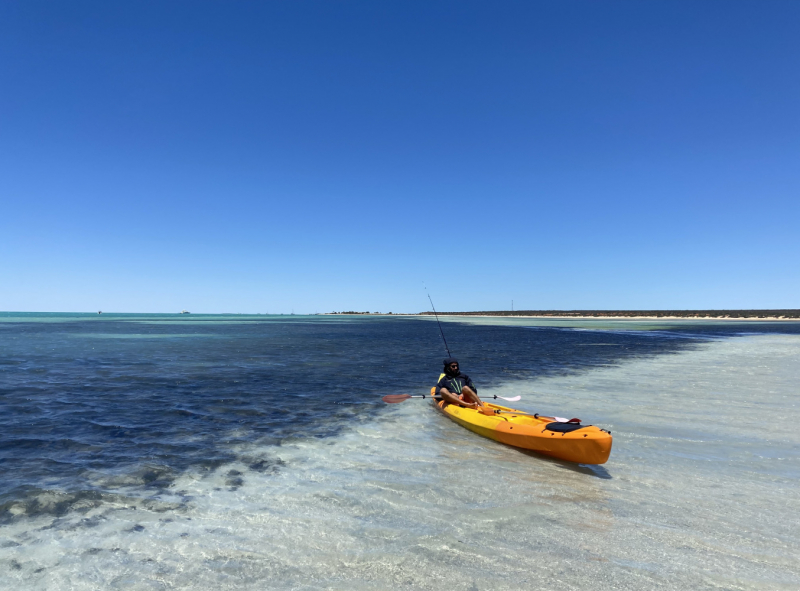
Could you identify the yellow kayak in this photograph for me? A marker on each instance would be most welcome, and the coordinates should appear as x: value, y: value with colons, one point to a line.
x: 584, y: 444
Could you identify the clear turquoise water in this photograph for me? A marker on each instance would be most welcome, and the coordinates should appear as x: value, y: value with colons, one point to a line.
x: 144, y: 452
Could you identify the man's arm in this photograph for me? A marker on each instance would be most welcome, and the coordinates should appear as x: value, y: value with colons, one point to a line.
x: 471, y: 385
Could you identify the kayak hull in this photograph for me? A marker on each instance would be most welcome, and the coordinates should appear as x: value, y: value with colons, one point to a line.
x: 587, y: 445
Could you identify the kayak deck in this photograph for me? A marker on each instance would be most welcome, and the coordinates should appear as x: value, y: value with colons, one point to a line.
x: 585, y: 445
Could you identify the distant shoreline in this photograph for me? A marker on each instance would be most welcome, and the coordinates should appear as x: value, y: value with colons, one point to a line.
x: 771, y: 315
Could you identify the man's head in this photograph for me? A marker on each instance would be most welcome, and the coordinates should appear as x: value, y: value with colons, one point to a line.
x: 451, y: 366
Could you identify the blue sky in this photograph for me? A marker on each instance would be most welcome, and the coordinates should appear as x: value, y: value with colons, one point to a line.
x: 318, y: 156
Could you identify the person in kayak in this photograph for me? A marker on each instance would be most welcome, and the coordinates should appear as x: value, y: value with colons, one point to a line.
x: 457, y: 388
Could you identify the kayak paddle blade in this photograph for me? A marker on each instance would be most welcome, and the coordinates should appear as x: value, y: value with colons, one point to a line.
x: 512, y: 399
x: 395, y: 398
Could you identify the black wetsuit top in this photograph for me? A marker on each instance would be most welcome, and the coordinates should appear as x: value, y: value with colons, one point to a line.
x: 455, y: 384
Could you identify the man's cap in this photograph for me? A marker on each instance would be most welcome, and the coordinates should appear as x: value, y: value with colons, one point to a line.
x: 450, y: 360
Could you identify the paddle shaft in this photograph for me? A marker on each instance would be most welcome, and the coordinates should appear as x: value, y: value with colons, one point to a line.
x: 394, y: 398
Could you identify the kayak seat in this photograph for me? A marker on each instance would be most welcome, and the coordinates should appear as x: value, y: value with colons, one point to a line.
x: 564, y: 427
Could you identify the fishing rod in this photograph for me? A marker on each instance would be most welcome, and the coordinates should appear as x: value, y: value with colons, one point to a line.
x: 439, y: 323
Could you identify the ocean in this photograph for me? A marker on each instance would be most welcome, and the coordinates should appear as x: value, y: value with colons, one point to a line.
x: 254, y: 452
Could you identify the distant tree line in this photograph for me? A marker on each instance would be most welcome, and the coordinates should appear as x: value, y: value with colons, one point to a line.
x: 351, y: 312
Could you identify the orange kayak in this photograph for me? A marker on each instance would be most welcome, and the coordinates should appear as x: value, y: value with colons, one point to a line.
x: 584, y: 444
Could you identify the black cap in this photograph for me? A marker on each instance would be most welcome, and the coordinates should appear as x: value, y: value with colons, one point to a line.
x: 450, y: 360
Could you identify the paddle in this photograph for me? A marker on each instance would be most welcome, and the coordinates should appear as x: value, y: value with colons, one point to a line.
x: 512, y: 399
x: 395, y: 398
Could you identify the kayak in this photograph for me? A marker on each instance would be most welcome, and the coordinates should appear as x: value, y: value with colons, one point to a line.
x: 573, y: 442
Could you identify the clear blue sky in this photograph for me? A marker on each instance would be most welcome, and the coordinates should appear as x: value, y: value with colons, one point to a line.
x: 318, y: 156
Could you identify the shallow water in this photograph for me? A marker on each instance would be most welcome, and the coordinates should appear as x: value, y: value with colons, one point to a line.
x: 699, y: 493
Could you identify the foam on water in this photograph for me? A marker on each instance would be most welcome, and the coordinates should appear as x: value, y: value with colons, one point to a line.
x: 700, y: 493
